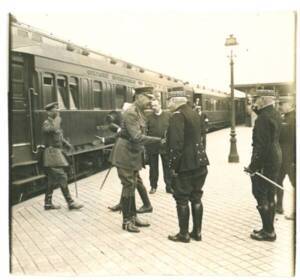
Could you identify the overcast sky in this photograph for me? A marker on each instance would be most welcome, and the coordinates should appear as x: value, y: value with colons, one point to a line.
x: 186, y: 44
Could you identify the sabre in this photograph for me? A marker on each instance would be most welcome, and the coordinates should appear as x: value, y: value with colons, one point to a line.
x: 74, y: 174
x: 267, y: 179
x: 105, y: 178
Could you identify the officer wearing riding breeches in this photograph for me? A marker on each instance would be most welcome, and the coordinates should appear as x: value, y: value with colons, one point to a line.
x: 188, y: 162
x: 127, y: 155
x: 266, y: 159
x: 54, y: 160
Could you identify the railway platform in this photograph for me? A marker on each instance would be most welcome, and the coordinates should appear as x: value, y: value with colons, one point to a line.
x: 91, y: 242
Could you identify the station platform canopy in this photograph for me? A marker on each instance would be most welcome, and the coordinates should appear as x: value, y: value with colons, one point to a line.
x: 280, y: 88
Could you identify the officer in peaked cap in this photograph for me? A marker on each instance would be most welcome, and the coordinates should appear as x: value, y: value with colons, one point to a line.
x: 288, y: 146
x: 50, y: 106
x: 127, y: 156
x: 266, y: 159
x: 188, y: 163
x: 54, y: 160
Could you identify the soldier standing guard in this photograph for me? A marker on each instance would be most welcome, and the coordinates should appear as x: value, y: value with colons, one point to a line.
x: 266, y: 159
x: 127, y: 156
x: 54, y: 159
x: 188, y: 162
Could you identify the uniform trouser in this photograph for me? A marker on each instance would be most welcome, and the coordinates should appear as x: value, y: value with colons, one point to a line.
x: 264, y: 193
x: 287, y: 168
x: 154, y: 170
x: 188, y: 187
x: 129, y: 179
x: 57, y: 177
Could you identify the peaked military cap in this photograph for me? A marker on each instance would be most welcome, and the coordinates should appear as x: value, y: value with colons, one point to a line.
x: 50, y: 106
x: 176, y: 92
x: 148, y: 91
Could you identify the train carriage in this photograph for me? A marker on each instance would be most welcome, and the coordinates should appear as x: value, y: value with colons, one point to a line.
x: 87, y: 86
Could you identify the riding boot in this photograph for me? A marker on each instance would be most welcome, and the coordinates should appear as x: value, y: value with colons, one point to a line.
x: 279, y: 196
x: 48, y: 200
x: 137, y: 221
x: 147, y: 207
x: 128, y: 223
x: 117, y: 207
x: 183, y: 213
x: 267, y: 233
x: 271, y: 215
x: 263, y: 220
x: 71, y: 203
x: 197, y: 213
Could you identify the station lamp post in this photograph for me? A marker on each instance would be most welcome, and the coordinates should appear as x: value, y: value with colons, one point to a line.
x: 230, y: 43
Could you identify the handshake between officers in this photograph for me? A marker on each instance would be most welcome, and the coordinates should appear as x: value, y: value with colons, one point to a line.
x: 128, y: 155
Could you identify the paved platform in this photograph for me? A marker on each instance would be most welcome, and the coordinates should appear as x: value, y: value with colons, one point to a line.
x: 91, y: 242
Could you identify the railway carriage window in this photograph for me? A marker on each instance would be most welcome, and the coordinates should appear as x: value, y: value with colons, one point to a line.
x: 97, y: 92
x: 208, y: 105
x: 48, y: 88
x: 120, y: 96
x: 74, y: 98
x: 62, y: 92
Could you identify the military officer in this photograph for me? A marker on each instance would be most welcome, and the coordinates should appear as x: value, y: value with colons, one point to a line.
x: 157, y: 124
x: 54, y: 160
x: 288, y: 146
x: 266, y: 158
x: 188, y: 162
x: 127, y: 156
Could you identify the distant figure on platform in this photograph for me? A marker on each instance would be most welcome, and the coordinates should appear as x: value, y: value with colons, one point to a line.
x: 203, y: 124
x: 127, y: 156
x: 266, y: 159
x: 157, y: 124
x: 54, y: 160
x: 188, y: 163
x: 288, y: 146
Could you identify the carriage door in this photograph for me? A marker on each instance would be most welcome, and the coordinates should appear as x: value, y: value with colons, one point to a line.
x: 19, y: 126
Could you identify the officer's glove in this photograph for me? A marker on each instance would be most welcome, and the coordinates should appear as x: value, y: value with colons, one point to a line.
x: 249, y: 171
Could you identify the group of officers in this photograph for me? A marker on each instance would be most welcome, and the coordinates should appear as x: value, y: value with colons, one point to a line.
x: 179, y: 137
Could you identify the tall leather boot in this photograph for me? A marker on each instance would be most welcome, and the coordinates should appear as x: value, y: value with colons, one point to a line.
x: 197, y: 213
x: 271, y: 217
x: 128, y: 223
x: 48, y: 200
x: 71, y: 203
x: 183, y: 213
x: 147, y: 207
x: 279, y: 196
x: 267, y: 232
x: 137, y: 221
x: 263, y: 220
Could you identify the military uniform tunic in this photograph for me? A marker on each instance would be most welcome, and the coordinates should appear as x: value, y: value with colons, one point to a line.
x: 266, y: 153
x: 187, y: 155
x: 128, y: 152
